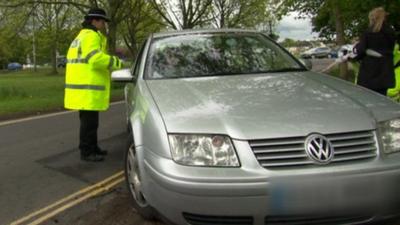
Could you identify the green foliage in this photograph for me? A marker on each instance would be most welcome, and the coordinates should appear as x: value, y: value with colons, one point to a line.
x: 354, y: 14
x: 31, y: 92
x: 352, y: 73
x: 53, y: 24
x: 241, y: 13
x: 12, y: 50
x: 21, y: 25
x: 44, y: 41
x: 188, y: 14
x: 304, y: 7
x: 5, y: 51
x: 136, y: 27
x: 185, y: 14
x: 12, y: 92
x: 27, y: 91
x: 289, y: 43
x: 12, y: 43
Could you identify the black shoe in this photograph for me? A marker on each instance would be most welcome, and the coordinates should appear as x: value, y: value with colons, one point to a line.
x: 92, y: 158
x: 99, y: 151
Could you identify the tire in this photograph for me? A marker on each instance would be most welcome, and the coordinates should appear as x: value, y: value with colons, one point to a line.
x: 133, y: 181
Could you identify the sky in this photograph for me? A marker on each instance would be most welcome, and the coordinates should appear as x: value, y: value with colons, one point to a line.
x: 297, y: 29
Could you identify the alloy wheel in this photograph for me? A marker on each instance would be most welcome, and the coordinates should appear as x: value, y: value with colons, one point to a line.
x: 134, y: 180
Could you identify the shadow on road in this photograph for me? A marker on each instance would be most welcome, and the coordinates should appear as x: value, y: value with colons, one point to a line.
x: 69, y: 162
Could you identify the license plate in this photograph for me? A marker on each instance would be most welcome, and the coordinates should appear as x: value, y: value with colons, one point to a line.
x: 324, y: 195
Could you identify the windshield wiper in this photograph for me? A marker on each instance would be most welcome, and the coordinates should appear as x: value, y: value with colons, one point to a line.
x: 289, y: 69
x: 223, y: 74
x: 227, y: 73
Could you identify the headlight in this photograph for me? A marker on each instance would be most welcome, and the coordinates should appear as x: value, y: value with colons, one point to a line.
x: 390, y: 131
x: 203, y: 150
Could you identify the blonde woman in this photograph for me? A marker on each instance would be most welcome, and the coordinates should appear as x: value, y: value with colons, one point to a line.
x: 375, y: 51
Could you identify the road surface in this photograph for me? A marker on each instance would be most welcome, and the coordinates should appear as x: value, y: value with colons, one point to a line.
x: 40, y: 165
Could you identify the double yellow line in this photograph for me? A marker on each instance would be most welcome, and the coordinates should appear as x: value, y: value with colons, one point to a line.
x: 48, y: 212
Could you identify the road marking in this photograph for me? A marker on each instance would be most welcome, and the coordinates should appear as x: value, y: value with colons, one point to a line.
x: 66, y: 202
x: 45, y: 116
x: 77, y: 201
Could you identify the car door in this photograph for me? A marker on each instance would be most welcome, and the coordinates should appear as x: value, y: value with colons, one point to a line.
x: 130, y: 87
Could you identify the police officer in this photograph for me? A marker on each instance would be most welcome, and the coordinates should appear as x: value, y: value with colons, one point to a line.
x: 87, y: 83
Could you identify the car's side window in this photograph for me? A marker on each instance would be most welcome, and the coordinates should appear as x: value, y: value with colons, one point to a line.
x: 138, y: 61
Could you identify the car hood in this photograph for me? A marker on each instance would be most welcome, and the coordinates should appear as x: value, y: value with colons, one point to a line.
x: 263, y: 106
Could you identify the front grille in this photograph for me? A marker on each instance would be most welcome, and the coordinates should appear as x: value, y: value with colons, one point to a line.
x: 289, y: 152
x: 315, y: 220
x: 194, y: 219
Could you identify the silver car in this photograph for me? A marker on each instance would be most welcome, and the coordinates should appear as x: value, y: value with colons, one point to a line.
x: 320, y: 52
x: 226, y: 127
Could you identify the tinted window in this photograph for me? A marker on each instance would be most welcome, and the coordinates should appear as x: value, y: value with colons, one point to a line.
x: 216, y: 54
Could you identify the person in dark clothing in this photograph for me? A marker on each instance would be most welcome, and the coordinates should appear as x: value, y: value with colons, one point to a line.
x: 375, y: 50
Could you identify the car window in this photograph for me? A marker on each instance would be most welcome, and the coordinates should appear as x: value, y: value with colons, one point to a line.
x: 138, y: 61
x: 322, y: 49
x: 216, y: 54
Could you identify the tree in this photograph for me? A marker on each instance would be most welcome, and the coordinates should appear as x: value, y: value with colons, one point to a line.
x: 288, y: 42
x: 49, y: 26
x: 183, y: 14
x: 53, y: 19
x: 14, y: 45
x: 43, y: 24
x: 355, y: 17
x: 240, y: 13
x: 117, y: 10
x: 339, y: 19
x: 313, y: 8
x: 7, y: 52
x: 137, y: 26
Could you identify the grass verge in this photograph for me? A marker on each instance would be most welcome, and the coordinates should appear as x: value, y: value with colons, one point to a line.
x: 27, y: 93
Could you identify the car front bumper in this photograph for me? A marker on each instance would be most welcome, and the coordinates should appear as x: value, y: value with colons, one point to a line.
x: 253, y: 195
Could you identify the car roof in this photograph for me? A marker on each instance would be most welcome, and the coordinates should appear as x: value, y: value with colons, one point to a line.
x: 201, y: 31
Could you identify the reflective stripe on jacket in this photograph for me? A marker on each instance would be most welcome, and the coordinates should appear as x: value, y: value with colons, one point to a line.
x: 87, y: 82
x: 394, y: 93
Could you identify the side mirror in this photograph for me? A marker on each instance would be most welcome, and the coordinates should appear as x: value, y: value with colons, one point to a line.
x: 307, y: 63
x: 123, y: 75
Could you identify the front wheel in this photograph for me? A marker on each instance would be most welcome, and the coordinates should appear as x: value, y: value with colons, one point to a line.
x: 134, y: 181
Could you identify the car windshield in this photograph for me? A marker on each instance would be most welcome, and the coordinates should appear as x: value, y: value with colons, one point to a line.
x: 196, y: 55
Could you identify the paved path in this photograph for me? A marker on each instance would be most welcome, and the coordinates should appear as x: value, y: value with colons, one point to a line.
x: 321, y: 64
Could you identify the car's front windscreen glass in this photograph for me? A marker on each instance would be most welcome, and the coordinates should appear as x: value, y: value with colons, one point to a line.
x: 216, y: 55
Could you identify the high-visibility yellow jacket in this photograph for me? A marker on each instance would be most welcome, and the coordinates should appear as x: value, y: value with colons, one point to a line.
x: 87, y: 81
x: 394, y: 93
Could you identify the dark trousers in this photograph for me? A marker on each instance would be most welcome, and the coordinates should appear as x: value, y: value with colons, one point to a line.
x: 88, y: 131
x: 382, y: 91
